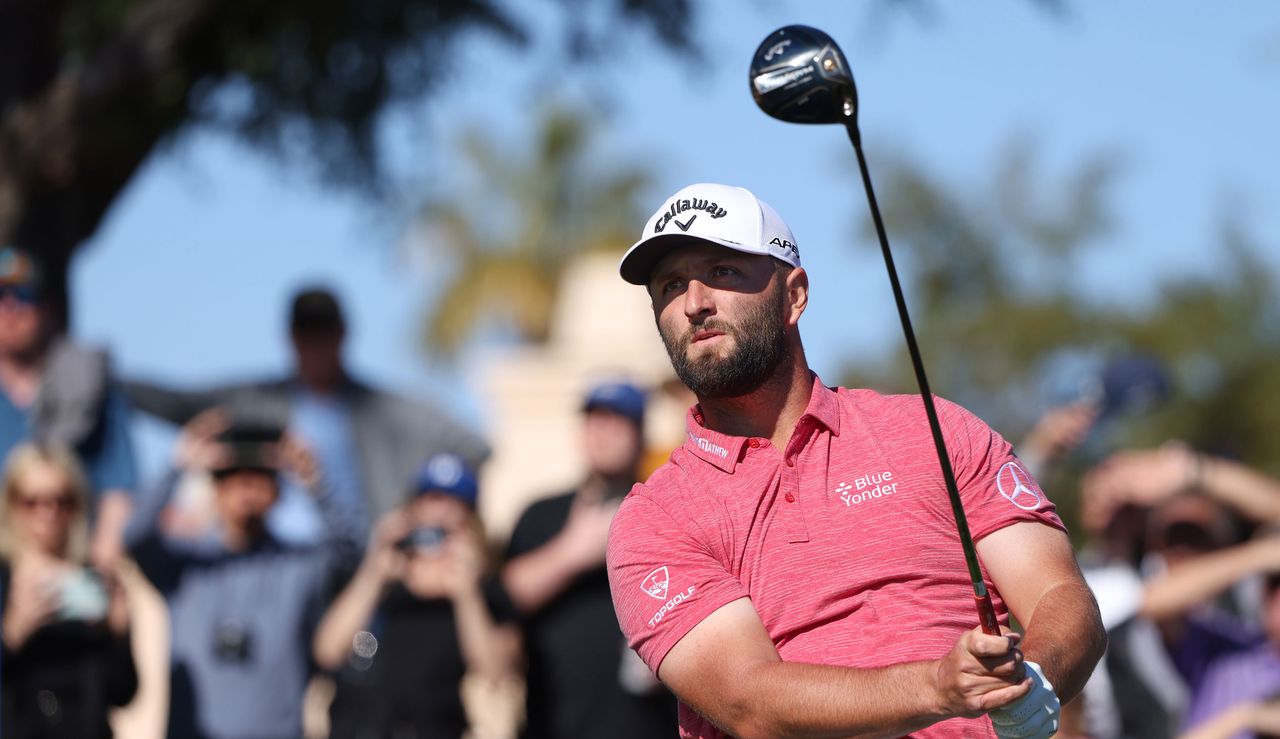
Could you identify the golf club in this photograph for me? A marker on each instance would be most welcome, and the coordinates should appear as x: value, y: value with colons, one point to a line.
x: 799, y: 75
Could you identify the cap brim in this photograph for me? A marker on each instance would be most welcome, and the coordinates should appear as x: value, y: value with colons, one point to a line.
x: 637, y: 264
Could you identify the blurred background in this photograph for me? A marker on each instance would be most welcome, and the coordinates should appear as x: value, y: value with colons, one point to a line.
x: 1055, y: 176
x: 1080, y: 198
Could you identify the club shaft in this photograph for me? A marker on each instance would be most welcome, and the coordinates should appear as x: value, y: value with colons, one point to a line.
x: 986, y: 612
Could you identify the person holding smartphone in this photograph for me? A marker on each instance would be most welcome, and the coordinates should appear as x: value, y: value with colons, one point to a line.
x: 415, y: 619
x: 66, y: 655
x: 243, y: 604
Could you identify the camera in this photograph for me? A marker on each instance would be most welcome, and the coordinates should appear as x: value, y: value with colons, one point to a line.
x: 232, y: 642
x: 423, y: 539
x: 82, y: 596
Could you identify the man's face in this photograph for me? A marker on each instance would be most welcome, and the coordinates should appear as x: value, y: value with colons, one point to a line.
x: 244, y: 496
x: 611, y: 442
x: 723, y: 316
x: 318, y: 354
x: 21, y: 321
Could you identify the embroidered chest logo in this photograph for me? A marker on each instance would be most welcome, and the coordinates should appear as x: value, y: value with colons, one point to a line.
x: 655, y: 583
x: 1016, y: 486
x: 867, y: 488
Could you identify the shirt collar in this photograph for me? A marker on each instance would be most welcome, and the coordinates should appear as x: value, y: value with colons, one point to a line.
x: 723, y: 450
x: 824, y: 406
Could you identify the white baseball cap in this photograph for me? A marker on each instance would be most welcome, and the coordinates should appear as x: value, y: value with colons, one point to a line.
x: 719, y: 214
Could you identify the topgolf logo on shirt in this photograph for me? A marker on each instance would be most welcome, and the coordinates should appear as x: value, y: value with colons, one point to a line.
x: 1016, y: 486
x: 655, y: 583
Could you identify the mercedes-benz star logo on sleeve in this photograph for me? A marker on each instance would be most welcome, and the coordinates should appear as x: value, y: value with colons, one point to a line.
x: 1015, y: 485
x: 655, y: 583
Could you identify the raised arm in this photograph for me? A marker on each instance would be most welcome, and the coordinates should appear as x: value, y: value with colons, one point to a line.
x: 1148, y: 477
x: 728, y: 670
x: 354, y: 607
x: 1203, y: 578
x: 175, y: 406
x: 196, y: 449
x: 534, y: 578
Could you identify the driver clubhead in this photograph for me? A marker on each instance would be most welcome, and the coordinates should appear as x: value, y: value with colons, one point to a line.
x: 799, y: 75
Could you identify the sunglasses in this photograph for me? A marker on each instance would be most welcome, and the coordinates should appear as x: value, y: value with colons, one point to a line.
x: 25, y: 294
x: 58, y: 503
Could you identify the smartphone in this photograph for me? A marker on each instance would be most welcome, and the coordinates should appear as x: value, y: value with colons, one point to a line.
x: 82, y: 596
x: 424, y: 539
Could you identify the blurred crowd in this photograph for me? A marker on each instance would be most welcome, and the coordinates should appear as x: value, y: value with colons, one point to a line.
x: 317, y: 549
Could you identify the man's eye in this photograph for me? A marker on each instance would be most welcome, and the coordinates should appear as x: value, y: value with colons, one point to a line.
x: 671, y: 286
x: 723, y: 271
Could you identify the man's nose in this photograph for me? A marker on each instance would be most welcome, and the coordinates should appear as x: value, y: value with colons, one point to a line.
x: 698, y: 299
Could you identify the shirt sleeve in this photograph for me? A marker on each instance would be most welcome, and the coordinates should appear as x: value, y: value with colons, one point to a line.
x: 111, y: 463
x: 996, y: 488
x: 664, y: 579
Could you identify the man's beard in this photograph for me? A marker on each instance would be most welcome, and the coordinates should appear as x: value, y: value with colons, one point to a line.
x: 759, y: 346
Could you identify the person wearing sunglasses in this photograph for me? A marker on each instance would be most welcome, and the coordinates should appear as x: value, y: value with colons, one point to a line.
x: 66, y: 654
x: 55, y: 390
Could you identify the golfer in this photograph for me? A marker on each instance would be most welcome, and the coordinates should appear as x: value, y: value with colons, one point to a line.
x: 794, y: 570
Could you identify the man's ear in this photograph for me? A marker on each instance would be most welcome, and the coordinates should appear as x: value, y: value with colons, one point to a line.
x: 797, y: 284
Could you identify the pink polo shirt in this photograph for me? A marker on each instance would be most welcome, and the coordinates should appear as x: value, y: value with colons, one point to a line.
x: 845, y: 543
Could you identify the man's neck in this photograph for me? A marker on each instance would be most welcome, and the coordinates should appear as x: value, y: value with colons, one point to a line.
x: 771, y: 411
x: 20, y: 374
x: 324, y: 386
x: 243, y: 537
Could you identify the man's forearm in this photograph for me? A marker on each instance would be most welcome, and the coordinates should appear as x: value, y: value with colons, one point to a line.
x: 791, y: 699
x: 1066, y: 638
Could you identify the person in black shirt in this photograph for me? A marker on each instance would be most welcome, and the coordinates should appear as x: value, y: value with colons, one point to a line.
x: 66, y: 657
x: 416, y: 618
x: 582, y: 679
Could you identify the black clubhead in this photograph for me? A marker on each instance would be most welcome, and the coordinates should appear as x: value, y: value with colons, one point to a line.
x: 799, y: 75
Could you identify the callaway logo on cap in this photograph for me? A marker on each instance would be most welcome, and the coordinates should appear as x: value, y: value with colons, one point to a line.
x: 729, y: 216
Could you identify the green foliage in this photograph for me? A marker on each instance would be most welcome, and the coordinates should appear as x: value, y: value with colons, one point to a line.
x: 511, y: 222
x: 989, y: 281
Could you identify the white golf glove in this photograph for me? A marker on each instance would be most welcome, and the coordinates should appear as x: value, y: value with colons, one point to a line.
x: 1034, y: 715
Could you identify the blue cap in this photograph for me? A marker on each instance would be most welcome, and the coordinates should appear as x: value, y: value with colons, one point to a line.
x: 622, y: 398
x: 448, y: 474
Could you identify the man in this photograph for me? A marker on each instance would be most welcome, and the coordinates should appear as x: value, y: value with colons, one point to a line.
x: 582, y: 680
x: 794, y: 569
x: 368, y: 441
x: 52, y: 390
x: 242, y: 605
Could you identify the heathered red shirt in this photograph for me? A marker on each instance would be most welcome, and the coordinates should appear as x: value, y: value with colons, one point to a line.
x: 845, y: 542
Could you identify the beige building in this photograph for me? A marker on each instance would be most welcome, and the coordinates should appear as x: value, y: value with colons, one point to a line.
x: 602, y: 329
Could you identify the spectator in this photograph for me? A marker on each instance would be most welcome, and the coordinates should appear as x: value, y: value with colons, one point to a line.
x: 1154, y: 511
x: 422, y: 587
x: 1056, y: 433
x: 582, y: 680
x: 369, y: 441
x: 52, y: 390
x: 1234, y: 688
x: 1147, y: 477
x: 242, y: 605
x: 66, y: 627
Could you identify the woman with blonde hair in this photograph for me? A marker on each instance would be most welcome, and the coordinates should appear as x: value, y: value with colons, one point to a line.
x: 65, y: 627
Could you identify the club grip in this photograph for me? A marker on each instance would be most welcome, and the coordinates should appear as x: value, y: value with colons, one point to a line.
x: 986, y: 614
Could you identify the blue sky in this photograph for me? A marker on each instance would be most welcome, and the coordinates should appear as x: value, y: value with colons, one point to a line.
x: 187, y: 279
